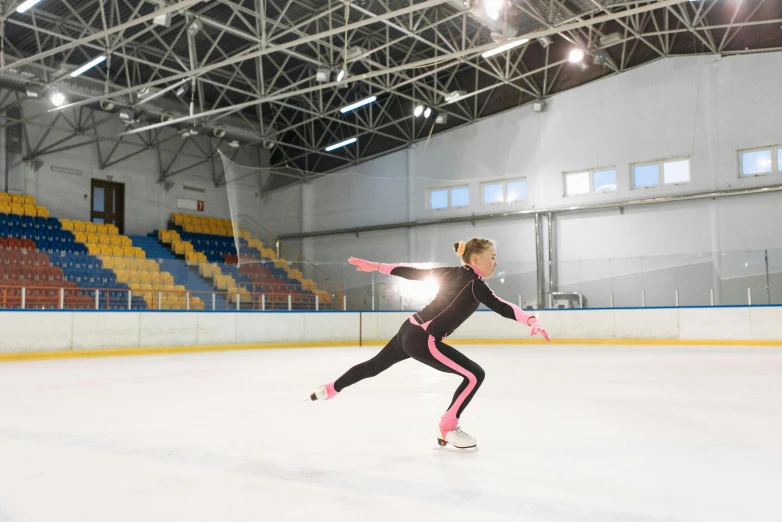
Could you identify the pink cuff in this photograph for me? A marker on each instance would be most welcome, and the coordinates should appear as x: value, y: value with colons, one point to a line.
x: 521, y: 315
x: 386, y: 268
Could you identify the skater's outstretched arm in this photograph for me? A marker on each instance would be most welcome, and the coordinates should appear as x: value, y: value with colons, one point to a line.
x: 485, y: 295
x: 405, y: 271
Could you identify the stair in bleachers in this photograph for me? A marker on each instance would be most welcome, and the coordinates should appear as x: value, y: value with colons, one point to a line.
x: 183, y: 275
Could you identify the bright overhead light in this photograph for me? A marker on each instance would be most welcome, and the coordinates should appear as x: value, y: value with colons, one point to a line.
x: 58, y: 99
x: 360, y: 103
x: 576, y: 55
x: 428, y: 112
x: 493, y: 8
x: 505, y: 47
x: 89, y: 65
x: 341, y: 75
x: 24, y: 6
x: 419, y: 110
x: 341, y: 144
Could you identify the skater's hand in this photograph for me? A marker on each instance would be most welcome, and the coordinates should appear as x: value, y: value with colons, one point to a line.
x: 364, y: 266
x: 537, y: 328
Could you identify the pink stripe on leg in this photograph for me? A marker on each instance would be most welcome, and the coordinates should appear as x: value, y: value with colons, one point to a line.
x: 449, y: 421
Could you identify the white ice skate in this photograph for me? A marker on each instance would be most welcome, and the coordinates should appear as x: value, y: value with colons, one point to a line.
x: 458, y: 439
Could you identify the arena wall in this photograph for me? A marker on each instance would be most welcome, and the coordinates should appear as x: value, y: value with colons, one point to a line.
x: 35, y: 333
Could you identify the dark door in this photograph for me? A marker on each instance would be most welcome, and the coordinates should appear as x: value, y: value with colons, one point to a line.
x: 108, y: 203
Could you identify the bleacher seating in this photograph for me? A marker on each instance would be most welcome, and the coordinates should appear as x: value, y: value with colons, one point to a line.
x: 36, y: 253
x: 209, y: 244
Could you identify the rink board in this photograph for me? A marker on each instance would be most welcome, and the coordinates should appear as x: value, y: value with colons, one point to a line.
x: 29, y: 334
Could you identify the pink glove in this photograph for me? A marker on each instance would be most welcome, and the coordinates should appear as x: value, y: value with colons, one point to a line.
x: 537, y: 328
x: 364, y: 266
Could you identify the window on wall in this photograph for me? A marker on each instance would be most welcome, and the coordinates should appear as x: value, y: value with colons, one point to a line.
x: 757, y: 162
x: 460, y: 197
x: 576, y: 183
x: 516, y: 190
x: 510, y: 191
x: 455, y: 197
x: 438, y: 199
x: 493, y: 193
x: 674, y: 171
x: 587, y: 181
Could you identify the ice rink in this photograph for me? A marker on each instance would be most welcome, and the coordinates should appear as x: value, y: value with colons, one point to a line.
x: 566, y: 434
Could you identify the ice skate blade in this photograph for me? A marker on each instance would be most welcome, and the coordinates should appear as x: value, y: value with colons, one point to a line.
x: 454, y: 449
x: 443, y: 446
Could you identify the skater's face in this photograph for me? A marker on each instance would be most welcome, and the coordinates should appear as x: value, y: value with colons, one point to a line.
x: 486, y: 262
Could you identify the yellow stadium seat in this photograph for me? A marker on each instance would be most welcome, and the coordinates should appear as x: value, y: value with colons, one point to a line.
x: 94, y: 250
x: 139, y: 252
x: 115, y: 241
x: 127, y: 252
x: 144, y: 277
x: 28, y: 200
x: 42, y: 212
x: 102, y: 239
x: 164, y: 236
x: 188, y: 218
x: 155, y: 277
x: 116, y: 251
x: 17, y: 209
x: 146, y: 287
x: 152, y: 266
x: 93, y: 239
x: 134, y: 276
x: 166, y: 278
x: 89, y: 227
x: 112, y: 230
x: 126, y: 241
x: 122, y: 276
x: 105, y: 250
x: 5, y: 209
x: 134, y: 287
x: 17, y: 199
x: 66, y: 224
x: 108, y: 262
x: 5, y: 196
x: 30, y: 211
x: 100, y: 228
x: 78, y: 226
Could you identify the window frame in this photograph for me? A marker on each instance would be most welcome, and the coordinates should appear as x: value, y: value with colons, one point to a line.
x: 660, y: 172
x: 591, y: 173
x: 504, y: 183
x: 774, y: 161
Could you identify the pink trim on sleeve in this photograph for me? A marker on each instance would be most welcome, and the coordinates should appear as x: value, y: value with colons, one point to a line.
x: 521, y: 315
x: 385, y: 268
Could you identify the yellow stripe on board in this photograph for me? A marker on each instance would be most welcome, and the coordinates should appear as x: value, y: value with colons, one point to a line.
x: 123, y: 352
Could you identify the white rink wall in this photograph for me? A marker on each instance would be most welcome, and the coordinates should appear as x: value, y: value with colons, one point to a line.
x: 73, y: 331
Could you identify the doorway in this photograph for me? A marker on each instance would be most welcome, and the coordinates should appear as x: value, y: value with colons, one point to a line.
x: 108, y: 203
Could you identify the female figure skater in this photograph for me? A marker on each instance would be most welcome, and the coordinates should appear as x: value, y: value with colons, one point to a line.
x: 462, y: 289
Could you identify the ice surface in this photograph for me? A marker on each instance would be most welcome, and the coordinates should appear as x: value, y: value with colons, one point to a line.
x: 566, y: 434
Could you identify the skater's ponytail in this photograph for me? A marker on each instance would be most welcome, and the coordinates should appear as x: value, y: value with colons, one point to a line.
x: 474, y: 246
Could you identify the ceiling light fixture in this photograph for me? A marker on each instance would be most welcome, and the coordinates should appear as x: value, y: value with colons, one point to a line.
x: 341, y: 144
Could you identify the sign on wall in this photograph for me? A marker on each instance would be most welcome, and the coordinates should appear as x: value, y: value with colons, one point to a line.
x: 200, y: 206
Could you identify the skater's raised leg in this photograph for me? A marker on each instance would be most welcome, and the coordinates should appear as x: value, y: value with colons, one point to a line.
x: 390, y: 355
